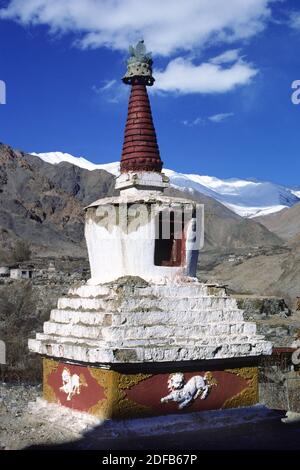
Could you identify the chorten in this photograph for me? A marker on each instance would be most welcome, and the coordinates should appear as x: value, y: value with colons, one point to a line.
x: 144, y: 336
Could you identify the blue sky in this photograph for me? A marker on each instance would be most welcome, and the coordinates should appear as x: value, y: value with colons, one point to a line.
x: 222, y: 100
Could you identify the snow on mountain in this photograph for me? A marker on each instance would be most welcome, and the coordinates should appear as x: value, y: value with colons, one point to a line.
x: 296, y: 192
x: 58, y: 157
x: 244, y: 197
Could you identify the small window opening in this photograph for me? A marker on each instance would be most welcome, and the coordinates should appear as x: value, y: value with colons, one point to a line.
x: 170, y: 240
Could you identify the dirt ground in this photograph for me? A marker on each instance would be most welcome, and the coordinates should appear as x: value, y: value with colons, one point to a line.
x: 42, y: 426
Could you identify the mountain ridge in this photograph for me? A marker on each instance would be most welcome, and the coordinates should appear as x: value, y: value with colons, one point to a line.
x: 43, y: 203
x: 247, y: 198
x: 285, y: 224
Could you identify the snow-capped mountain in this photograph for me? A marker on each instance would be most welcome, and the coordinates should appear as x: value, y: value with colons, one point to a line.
x: 244, y: 197
x: 296, y: 192
x: 58, y: 157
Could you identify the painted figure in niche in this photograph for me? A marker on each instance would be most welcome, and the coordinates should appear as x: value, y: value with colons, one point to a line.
x: 184, y: 392
x: 71, y: 383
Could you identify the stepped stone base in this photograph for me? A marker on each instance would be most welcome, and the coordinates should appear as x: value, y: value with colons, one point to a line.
x: 130, y: 321
x: 129, y: 349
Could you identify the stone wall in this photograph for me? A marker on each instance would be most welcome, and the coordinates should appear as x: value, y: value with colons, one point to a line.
x: 279, y: 381
x: 261, y: 307
x: 274, y: 319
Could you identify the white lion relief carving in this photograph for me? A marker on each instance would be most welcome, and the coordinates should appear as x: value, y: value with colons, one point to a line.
x: 184, y: 392
x: 71, y: 383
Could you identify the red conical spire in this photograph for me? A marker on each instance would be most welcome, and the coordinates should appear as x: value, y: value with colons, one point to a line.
x: 140, y: 149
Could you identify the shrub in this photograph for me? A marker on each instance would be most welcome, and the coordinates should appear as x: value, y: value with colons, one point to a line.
x: 21, y: 251
x: 18, y: 320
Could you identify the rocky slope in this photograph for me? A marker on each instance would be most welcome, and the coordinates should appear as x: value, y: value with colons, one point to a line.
x: 285, y: 224
x: 277, y: 270
x: 268, y: 272
x: 42, y: 204
x: 83, y: 185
